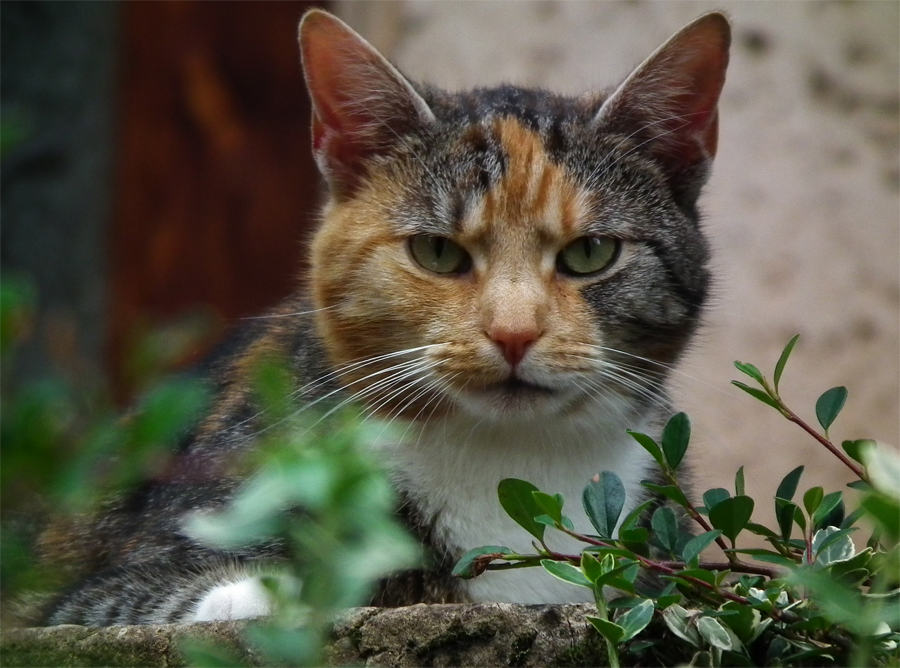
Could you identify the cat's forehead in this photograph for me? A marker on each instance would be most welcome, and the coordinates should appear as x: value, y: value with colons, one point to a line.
x: 498, y: 180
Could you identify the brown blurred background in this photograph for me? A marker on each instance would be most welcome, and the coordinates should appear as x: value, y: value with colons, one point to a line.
x: 165, y: 165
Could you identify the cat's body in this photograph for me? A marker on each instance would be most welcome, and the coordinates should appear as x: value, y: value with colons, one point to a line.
x: 507, y: 273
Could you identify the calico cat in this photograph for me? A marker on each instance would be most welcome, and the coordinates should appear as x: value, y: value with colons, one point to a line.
x: 522, y: 267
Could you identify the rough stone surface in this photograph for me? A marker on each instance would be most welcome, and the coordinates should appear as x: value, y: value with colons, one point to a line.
x: 493, y: 634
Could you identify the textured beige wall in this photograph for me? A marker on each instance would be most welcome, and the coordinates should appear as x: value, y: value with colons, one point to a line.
x: 802, y: 206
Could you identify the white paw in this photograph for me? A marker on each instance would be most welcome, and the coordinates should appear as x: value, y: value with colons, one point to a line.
x: 236, y: 600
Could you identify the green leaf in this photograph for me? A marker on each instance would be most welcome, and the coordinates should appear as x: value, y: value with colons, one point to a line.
x: 638, y: 535
x: 635, y: 620
x: 841, y: 604
x: 675, y: 439
x: 669, y: 491
x: 732, y: 515
x: 612, y: 632
x: 697, y: 544
x: 546, y: 520
x: 712, y: 497
x: 750, y: 370
x: 649, y: 445
x: 886, y: 512
x: 779, y: 366
x: 698, y: 574
x: 857, y: 449
x: 788, y: 486
x: 829, y: 405
x: 786, y: 512
x: 517, y: 500
x: 860, y: 486
x: 631, y: 519
x: 812, y: 499
x: 603, y: 501
x: 549, y: 504
x: 761, y: 530
x: 680, y: 623
x: 744, y: 621
x: 831, y: 545
x: 566, y: 572
x: 714, y: 633
x: 883, y: 466
x: 590, y: 566
x: 756, y: 393
x: 775, y: 559
x: 829, y: 503
x: 665, y: 526
x: 465, y: 567
x: 739, y: 482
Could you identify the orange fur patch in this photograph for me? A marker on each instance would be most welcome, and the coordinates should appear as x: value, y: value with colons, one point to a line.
x: 380, y: 302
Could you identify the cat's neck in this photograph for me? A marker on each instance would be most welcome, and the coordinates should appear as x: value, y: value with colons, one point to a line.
x: 450, y: 469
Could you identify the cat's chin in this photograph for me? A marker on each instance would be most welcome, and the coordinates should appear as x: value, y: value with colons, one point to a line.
x: 515, y: 399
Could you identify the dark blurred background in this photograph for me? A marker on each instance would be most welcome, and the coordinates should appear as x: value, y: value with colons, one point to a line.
x: 156, y: 163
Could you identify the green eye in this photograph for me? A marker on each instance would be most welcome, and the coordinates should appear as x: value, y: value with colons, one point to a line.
x: 587, y: 255
x: 439, y: 254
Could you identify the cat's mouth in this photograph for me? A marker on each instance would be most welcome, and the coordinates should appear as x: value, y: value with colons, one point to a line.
x: 514, y: 387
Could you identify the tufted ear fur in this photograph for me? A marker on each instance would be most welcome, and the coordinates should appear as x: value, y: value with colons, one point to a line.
x: 361, y: 104
x: 669, y: 103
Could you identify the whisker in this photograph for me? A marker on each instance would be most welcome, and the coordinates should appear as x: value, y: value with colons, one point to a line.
x: 288, y: 315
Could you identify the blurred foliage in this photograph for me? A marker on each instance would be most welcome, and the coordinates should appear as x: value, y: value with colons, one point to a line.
x: 309, y: 483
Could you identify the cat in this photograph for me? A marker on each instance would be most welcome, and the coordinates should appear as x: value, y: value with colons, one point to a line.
x: 525, y: 267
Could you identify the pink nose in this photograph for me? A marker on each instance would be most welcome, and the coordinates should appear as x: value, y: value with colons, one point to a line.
x: 513, y: 344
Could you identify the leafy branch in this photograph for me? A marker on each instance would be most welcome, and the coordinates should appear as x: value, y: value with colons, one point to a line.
x: 812, y: 598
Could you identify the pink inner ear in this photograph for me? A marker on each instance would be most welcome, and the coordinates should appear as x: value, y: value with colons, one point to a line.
x: 361, y: 103
x: 674, y: 95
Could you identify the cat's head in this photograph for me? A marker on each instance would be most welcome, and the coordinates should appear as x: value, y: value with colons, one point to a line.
x: 509, y: 253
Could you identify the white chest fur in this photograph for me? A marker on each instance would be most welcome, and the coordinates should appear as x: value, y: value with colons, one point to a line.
x: 452, y: 469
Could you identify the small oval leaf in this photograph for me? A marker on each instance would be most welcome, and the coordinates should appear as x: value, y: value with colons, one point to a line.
x: 756, y: 393
x: 830, y: 404
x: 714, y: 633
x: 697, y: 544
x: 712, y: 497
x: 566, y: 572
x: 812, y: 499
x: 603, y: 501
x: 665, y: 526
x: 635, y: 620
x: 785, y: 354
x: 675, y: 439
x: 612, y: 632
x: 649, y: 445
x: 517, y: 500
x: 732, y: 515
x: 788, y: 486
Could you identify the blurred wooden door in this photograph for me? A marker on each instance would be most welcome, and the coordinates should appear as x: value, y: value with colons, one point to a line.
x: 216, y: 188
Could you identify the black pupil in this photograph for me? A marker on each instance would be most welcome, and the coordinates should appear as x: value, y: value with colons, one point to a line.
x: 588, y: 247
x: 440, y: 245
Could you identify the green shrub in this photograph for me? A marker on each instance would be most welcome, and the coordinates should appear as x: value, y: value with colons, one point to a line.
x: 811, y: 599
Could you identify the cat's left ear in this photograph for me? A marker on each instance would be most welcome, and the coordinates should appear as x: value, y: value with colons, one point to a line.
x: 361, y: 103
x: 669, y: 104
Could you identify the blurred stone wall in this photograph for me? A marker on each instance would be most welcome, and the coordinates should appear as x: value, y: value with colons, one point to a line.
x: 802, y: 206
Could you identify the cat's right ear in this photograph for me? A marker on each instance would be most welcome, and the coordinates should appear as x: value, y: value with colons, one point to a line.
x: 669, y: 104
x: 361, y: 104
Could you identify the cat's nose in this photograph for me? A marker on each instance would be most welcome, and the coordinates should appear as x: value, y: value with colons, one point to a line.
x: 514, y: 343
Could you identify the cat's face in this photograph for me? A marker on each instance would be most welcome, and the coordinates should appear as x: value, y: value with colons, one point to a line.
x: 508, y: 254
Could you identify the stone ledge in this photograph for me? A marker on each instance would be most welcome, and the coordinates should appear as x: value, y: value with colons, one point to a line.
x: 490, y: 634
